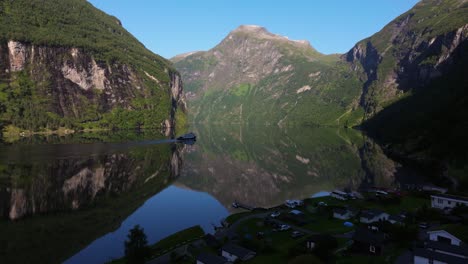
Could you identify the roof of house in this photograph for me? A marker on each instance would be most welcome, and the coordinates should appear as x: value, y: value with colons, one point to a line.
x: 208, y: 258
x: 340, y: 211
x: 365, y: 235
x: 429, y: 254
x: 369, y: 214
x: 396, y: 218
x: 460, y: 250
x: 237, y: 250
x: 338, y: 192
x: 296, y: 212
x: 460, y: 198
x: 211, y: 240
x: 443, y: 231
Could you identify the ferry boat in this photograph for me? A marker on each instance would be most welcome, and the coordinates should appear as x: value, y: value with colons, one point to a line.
x: 188, y: 136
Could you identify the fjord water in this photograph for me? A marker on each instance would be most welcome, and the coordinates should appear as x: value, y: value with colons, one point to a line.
x: 75, y: 202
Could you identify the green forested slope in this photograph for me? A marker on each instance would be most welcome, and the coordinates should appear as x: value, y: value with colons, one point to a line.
x: 66, y: 64
x: 76, y: 23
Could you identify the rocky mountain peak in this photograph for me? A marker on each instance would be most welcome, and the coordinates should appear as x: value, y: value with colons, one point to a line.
x: 262, y: 33
x: 251, y: 29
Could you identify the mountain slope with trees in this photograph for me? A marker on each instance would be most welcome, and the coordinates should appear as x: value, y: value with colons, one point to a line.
x: 67, y: 64
x: 254, y: 76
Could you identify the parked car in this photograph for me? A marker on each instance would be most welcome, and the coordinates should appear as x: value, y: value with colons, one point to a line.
x: 275, y: 214
x: 290, y: 204
x: 294, y: 203
x: 296, y: 234
x: 284, y: 227
x: 322, y: 204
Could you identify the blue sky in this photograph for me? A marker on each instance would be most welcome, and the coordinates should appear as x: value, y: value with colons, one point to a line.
x: 171, y: 27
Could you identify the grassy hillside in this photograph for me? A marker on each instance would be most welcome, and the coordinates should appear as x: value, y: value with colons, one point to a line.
x: 76, y: 23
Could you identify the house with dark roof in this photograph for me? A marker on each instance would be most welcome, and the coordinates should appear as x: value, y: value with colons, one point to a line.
x: 368, y: 241
x: 344, y: 213
x: 396, y: 219
x: 233, y: 252
x: 211, y: 241
x: 442, y: 235
x: 441, y: 247
x: 433, y: 188
x: 373, y: 215
x: 447, y: 202
x: 208, y: 258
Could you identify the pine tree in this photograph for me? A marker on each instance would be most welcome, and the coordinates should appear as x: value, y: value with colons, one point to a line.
x: 136, y: 247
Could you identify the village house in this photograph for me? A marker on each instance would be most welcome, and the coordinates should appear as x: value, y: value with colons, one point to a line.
x: 397, y: 219
x: 208, y: 258
x: 441, y: 247
x: 344, y: 213
x: 234, y: 252
x: 339, y: 195
x: 368, y: 241
x: 447, y: 202
x: 373, y: 215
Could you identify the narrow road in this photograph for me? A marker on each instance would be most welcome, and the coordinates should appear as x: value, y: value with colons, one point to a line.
x: 230, y: 231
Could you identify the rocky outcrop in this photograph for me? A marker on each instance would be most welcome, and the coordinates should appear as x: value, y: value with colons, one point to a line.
x: 74, y: 82
x: 17, y: 55
x: 177, y: 96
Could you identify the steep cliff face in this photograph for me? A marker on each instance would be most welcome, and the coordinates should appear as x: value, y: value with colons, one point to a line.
x: 84, y: 71
x: 410, y: 52
x: 254, y: 76
x: 415, y: 85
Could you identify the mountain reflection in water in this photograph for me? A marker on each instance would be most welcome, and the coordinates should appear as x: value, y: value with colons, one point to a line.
x: 76, y: 202
x: 264, y: 166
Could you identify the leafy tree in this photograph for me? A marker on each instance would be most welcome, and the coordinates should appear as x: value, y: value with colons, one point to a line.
x: 136, y: 247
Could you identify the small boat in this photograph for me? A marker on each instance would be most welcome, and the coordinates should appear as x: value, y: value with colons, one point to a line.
x: 188, y: 136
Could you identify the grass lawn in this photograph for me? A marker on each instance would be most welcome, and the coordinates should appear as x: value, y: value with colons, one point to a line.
x: 178, y: 238
x: 234, y: 217
x: 323, y: 224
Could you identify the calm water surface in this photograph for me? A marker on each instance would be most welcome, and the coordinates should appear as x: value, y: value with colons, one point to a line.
x: 74, y: 199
